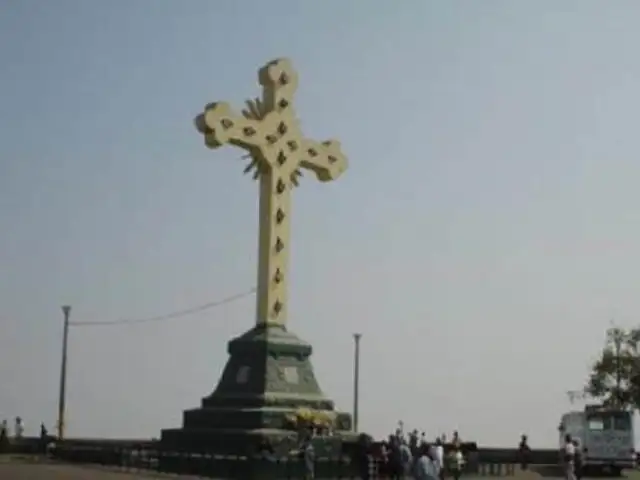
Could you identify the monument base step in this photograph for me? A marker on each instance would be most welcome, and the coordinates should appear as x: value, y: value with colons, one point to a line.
x: 251, y: 442
x: 268, y: 377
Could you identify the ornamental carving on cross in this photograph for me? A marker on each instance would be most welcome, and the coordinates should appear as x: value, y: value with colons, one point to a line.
x: 269, y: 131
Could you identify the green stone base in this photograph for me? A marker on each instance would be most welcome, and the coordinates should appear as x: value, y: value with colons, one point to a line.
x: 268, y: 376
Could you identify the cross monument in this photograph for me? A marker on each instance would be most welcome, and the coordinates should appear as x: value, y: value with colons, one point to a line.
x: 268, y: 375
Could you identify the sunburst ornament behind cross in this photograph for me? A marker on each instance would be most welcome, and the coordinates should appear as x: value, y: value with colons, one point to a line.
x: 269, y: 131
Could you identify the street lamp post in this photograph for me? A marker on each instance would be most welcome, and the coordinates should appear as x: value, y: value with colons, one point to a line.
x: 356, y: 379
x: 66, y: 309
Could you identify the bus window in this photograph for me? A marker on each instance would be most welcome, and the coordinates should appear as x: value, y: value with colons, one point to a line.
x: 619, y: 421
x: 622, y: 421
x: 596, y: 424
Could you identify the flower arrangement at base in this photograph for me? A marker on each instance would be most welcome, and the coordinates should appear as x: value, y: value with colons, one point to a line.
x: 304, y: 418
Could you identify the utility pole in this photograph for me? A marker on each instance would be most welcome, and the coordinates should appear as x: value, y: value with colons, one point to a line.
x: 356, y: 379
x: 66, y: 310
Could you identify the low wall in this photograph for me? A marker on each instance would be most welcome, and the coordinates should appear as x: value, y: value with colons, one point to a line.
x: 485, y: 455
x: 22, y: 446
x: 148, y: 455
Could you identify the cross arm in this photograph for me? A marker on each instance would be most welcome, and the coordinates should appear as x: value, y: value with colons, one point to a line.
x: 220, y: 125
x: 324, y: 159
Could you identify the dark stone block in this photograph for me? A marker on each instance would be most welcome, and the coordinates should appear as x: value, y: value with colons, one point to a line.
x: 267, y: 377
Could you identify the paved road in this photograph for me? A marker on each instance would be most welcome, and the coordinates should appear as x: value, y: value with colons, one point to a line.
x: 26, y: 471
x: 43, y: 471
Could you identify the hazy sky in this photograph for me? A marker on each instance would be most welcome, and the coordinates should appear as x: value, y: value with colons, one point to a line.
x: 483, y: 238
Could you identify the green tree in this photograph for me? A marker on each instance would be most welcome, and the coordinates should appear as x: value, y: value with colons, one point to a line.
x: 615, y: 376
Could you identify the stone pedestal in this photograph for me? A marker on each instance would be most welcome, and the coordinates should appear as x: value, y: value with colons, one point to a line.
x: 268, y: 376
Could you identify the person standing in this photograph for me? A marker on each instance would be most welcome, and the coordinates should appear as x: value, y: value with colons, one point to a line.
x: 578, y: 460
x: 413, y: 441
x: 438, y: 458
x: 397, y: 457
x: 425, y: 467
x: 524, y: 452
x: 568, y: 454
x: 456, y: 461
x: 4, y: 436
x: 309, y: 456
x: 406, y: 456
x: 19, y: 428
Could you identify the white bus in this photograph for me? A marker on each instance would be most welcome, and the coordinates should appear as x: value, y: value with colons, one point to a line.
x: 606, y: 437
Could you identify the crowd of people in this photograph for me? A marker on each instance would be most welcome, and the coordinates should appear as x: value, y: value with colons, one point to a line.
x: 18, y: 430
x: 412, y: 455
x: 7, y: 436
x: 400, y: 456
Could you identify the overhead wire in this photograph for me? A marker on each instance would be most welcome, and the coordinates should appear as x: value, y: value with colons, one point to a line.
x: 167, y: 316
